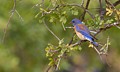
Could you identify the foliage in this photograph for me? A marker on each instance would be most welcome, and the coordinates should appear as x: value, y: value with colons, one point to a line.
x: 55, y: 53
x: 113, y: 11
x: 59, y: 12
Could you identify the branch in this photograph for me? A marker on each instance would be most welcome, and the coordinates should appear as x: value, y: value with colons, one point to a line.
x: 107, y: 26
x: 87, y: 4
x: 12, y: 13
x: 65, y: 5
x: 116, y: 3
x: 109, y: 3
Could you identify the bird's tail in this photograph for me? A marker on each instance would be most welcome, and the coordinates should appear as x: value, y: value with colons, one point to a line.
x: 95, y: 44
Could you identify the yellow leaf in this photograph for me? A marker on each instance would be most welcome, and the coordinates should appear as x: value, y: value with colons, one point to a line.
x: 118, y: 12
x: 91, y: 45
x: 109, y: 11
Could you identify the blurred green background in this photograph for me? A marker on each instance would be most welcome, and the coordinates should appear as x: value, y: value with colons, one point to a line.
x: 24, y: 47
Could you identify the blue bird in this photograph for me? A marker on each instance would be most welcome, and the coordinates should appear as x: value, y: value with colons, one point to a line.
x: 83, y: 32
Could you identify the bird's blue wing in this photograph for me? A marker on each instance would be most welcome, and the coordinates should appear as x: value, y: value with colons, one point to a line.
x: 83, y: 27
x: 84, y: 33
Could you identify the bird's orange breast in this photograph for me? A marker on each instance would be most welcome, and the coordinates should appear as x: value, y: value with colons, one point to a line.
x: 79, y: 34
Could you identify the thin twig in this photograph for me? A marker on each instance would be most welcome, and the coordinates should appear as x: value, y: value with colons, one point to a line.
x: 92, y: 16
x: 69, y: 27
x: 19, y: 15
x: 107, y: 2
x: 82, y: 3
x: 96, y: 50
x: 58, y: 63
x: 51, y: 31
x: 71, y: 39
x: 93, y: 32
x: 78, y: 43
x: 63, y: 27
x: 48, y: 69
x: 118, y: 27
x: 43, y: 13
x: 108, y: 40
x: 5, y: 29
x: 64, y: 5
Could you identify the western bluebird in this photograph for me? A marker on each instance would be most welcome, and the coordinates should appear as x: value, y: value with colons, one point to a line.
x: 83, y: 32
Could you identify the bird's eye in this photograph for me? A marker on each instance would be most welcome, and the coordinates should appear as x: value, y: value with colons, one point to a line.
x: 73, y: 21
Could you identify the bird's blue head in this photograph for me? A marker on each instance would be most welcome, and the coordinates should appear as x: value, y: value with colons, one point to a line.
x: 76, y: 21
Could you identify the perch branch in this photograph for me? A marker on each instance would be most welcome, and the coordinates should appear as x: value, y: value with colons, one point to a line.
x: 107, y: 26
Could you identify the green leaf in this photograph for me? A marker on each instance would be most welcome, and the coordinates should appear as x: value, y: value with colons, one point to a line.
x: 63, y: 19
x: 61, y: 41
x: 109, y: 11
x: 51, y: 19
x: 76, y: 48
x: 80, y: 48
x: 51, y: 63
x: 40, y: 21
x: 109, y: 21
x: 64, y: 12
x: 37, y: 15
x: 75, y: 12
